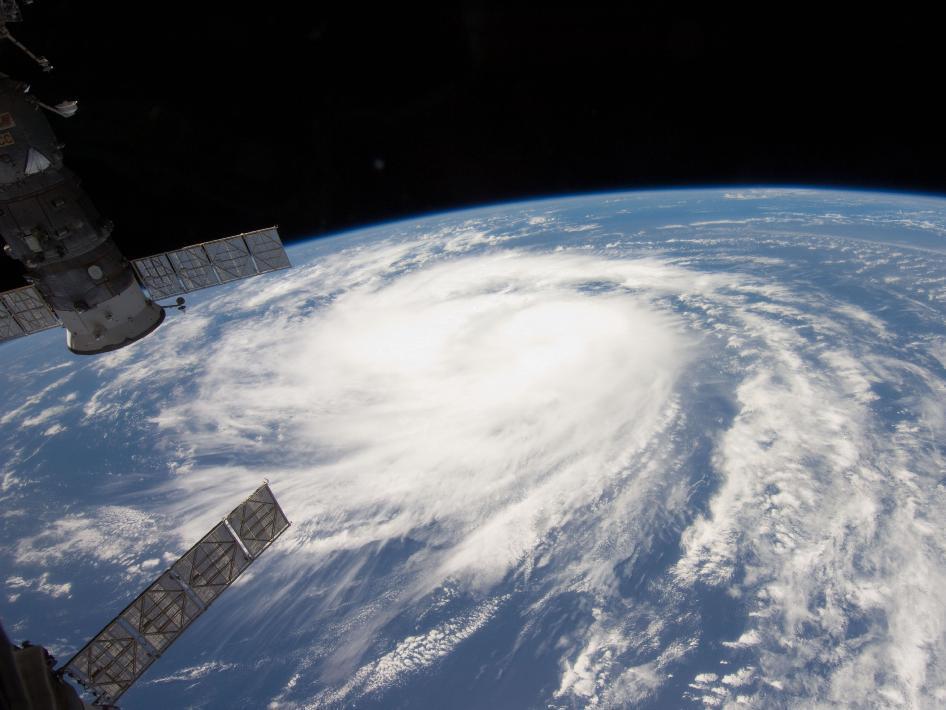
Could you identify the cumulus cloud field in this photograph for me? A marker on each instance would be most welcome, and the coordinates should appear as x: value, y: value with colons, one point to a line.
x: 577, y: 457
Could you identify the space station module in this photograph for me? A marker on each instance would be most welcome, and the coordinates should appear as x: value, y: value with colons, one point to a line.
x: 79, y: 277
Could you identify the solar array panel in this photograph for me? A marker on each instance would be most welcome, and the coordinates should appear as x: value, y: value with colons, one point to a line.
x: 258, y: 520
x: 267, y: 250
x: 112, y: 661
x: 24, y: 311
x: 9, y: 328
x: 231, y: 258
x: 193, y: 267
x: 159, y: 278
x: 211, y: 263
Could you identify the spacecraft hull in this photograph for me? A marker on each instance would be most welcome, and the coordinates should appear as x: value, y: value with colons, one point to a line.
x: 51, y: 227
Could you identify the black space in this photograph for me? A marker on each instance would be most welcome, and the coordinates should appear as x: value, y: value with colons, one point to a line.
x: 198, y: 120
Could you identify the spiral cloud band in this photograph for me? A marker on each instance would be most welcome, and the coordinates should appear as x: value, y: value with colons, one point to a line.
x: 678, y: 448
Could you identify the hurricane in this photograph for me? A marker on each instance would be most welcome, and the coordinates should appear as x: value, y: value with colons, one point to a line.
x: 680, y: 448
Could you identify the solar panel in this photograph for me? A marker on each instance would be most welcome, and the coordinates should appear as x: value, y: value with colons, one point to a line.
x: 157, y: 275
x: 112, y: 661
x: 258, y: 520
x: 9, y: 328
x: 231, y: 258
x: 24, y: 311
x: 212, y: 564
x: 193, y: 267
x: 118, y: 655
x: 267, y: 250
x: 211, y: 263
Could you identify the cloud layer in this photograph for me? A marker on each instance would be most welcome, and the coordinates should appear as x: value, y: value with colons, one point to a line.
x: 671, y: 469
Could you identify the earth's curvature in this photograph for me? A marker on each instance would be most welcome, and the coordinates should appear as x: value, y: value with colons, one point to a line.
x: 660, y: 449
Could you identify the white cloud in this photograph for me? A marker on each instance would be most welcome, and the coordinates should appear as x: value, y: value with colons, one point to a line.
x: 9, y: 482
x: 115, y: 534
x: 764, y: 193
x: 533, y: 416
x: 41, y: 585
x: 477, y: 404
x: 30, y: 403
x: 188, y: 675
x: 497, y: 357
x: 413, y: 654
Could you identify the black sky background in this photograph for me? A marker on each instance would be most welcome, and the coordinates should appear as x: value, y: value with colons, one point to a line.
x: 199, y: 120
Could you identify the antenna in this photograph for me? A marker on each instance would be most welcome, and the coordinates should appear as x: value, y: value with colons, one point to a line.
x: 10, y: 12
